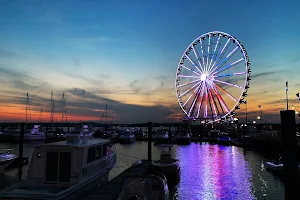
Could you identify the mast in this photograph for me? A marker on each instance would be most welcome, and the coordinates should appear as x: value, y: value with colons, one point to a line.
x: 51, y: 108
x: 63, y: 109
x: 41, y: 116
x: 28, y: 110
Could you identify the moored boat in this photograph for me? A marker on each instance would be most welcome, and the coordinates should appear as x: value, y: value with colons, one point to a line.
x: 167, y: 165
x: 183, y: 138
x: 32, y: 133
x: 161, y: 137
x: 65, y: 169
x: 224, y: 139
x: 138, y: 187
x: 127, y: 137
x: 6, y: 158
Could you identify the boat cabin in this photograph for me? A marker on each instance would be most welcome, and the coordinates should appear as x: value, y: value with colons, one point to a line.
x: 54, y: 167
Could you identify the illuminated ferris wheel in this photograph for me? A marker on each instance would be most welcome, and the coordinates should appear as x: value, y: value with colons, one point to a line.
x: 213, y: 77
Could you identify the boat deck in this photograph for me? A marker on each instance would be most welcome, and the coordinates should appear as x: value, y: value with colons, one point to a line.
x: 112, y: 189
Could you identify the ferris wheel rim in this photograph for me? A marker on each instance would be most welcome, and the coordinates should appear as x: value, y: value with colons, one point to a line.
x: 247, y: 76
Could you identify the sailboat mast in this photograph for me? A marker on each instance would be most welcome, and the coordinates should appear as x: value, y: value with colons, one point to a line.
x: 26, y: 107
x: 106, y: 114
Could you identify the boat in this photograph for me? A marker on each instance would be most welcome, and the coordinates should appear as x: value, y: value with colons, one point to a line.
x: 65, y: 170
x: 83, y: 130
x: 127, y: 137
x: 276, y: 167
x: 161, y: 137
x: 224, y: 139
x: 183, y: 138
x: 147, y: 185
x: 212, y: 135
x: 6, y: 158
x: 8, y: 132
x: 32, y: 133
x: 167, y: 165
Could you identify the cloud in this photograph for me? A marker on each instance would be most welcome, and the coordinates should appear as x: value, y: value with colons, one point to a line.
x: 75, y: 61
x: 135, y: 85
x: 91, y: 105
x: 263, y: 74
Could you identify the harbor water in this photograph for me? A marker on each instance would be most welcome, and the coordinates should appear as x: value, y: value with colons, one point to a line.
x: 207, y: 171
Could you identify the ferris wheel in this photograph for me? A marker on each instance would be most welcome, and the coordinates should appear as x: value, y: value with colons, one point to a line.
x: 213, y: 77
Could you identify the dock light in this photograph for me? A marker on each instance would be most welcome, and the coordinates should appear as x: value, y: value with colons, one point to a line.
x: 298, y: 95
x: 258, y: 117
x: 254, y: 122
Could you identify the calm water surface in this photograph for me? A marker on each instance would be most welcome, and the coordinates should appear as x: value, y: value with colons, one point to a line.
x: 207, y: 171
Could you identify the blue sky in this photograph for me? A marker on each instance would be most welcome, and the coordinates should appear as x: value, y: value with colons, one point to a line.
x: 127, y: 52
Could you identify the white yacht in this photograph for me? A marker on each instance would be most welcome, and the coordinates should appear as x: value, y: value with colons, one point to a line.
x: 65, y: 170
x: 32, y: 132
x: 83, y: 130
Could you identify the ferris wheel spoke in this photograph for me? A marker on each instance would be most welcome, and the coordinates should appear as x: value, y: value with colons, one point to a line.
x: 226, y: 75
x: 193, y: 63
x: 197, y: 56
x: 195, y: 99
x: 211, y: 105
x: 206, y: 102
x: 185, y: 76
x: 203, y: 56
x: 227, y: 93
x: 194, y: 92
x: 190, y: 69
x: 216, y: 47
x: 220, y: 98
x: 228, y: 66
x: 188, y: 83
x: 201, y: 101
x: 188, y: 90
x: 208, y: 48
x: 220, y: 55
x: 226, y: 83
x: 225, y: 59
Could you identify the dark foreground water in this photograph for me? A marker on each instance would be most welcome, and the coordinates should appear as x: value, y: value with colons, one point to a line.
x: 207, y: 171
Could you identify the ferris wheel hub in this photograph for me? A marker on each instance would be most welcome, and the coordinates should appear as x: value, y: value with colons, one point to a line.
x: 203, y: 77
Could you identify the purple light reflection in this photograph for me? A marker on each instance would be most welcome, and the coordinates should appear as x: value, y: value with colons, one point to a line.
x: 213, y: 172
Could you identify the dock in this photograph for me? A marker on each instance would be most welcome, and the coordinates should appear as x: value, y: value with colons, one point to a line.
x: 112, y: 189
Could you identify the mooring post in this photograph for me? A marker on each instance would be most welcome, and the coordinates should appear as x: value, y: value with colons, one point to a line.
x: 149, y: 141
x: 21, y: 142
x: 289, y: 151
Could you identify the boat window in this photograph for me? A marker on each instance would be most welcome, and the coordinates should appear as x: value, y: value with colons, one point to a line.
x: 98, y: 152
x: 104, y: 150
x: 64, y: 166
x: 91, y: 155
x: 51, y: 166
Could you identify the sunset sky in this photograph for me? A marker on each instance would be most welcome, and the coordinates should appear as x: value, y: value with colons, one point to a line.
x: 125, y: 54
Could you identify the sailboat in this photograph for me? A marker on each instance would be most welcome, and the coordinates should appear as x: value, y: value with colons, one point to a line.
x: 32, y: 131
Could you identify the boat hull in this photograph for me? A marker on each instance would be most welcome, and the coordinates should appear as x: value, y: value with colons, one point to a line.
x: 171, y: 171
x: 4, y: 165
x: 30, y: 137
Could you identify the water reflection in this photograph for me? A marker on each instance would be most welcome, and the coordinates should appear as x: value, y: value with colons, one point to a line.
x: 224, y: 172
